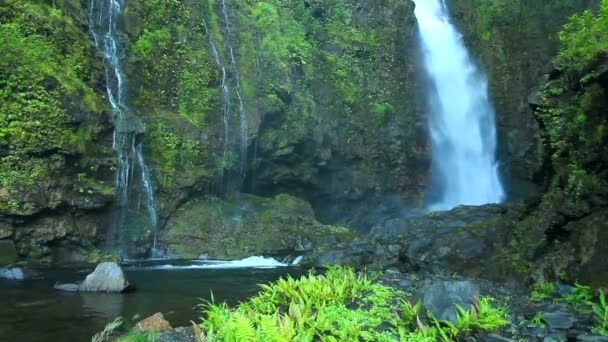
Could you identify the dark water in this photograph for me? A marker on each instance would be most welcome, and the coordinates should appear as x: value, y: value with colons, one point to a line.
x: 31, y: 310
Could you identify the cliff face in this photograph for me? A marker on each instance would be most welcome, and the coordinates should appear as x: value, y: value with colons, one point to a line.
x: 316, y: 99
x: 55, y: 133
x: 515, y: 41
x: 312, y: 98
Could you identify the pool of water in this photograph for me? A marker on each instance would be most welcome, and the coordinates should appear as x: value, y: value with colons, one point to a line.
x: 31, y: 310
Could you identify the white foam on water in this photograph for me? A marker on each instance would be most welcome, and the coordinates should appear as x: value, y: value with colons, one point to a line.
x: 249, y: 262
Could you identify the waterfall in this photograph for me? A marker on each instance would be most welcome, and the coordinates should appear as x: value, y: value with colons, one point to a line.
x: 461, y: 118
x: 237, y: 86
x: 131, y: 169
x: 226, y: 102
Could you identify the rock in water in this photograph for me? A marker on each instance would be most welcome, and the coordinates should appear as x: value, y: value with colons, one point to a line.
x: 8, y: 253
x: 11, y: 273
x: 67, y: 287
x: 107, y: 277
x: 156, y: 322
x: 442, y: 297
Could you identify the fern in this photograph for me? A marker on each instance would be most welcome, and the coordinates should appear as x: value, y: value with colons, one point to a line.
x: 244, y: 331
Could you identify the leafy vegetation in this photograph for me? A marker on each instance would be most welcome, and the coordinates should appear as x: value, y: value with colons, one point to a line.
x: 573, y: 117
x: 341, y: 305
x: 482, y: 316
x: 600, y: 311
x: 583, y: 37
x: 543, y: 290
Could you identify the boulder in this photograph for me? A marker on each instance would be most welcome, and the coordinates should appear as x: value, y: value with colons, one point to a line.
x: 67, y: 287
x: 560, y: 319
x: 11, y: 273
x: 156, y: 322
x: 8, y: 253
x: 442, y: 298
x: 107, y: 277
x: 222, y: 229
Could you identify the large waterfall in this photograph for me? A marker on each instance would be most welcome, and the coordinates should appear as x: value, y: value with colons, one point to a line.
x: 132, y: 175
x: 461, y: 118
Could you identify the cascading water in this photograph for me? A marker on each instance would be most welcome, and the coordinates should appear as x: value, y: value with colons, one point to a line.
x: 131, y: 170
x: 226, y: 101
x: 237, y: 86
x: 461, y: 118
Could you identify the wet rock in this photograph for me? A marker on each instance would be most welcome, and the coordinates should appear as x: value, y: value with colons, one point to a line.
x: 107, y: 277
x: 67, y: 287
x: 8, y: 253
x: 495, y: 338
x: 156, y: 322
x: 555, y: 337
x: 180, y: 334
x: 559, y: 319
x: 591, y: 338
x: 442, y: 297
x: 221, y: 229
x: 12, y: 273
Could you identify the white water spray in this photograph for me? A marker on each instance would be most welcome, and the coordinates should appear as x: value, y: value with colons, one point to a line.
x: 461, y: 118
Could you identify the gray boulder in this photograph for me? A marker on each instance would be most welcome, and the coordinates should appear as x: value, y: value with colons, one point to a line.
x: 442, y: 297
x: 12, y: 273
x: 107, y: 277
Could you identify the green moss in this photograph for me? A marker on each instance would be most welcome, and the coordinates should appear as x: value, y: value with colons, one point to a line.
x: 47, y: 67
x: 175, y: 156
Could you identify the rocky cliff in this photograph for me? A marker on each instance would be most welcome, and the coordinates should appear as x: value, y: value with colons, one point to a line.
x: 56, y: 161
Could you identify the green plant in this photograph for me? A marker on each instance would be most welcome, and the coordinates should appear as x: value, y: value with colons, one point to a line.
x: 542, y: 290
x: 482, y: 315
x: 107, y: 331
x: 600, y: 311
x: 580, y: 298
x: 537, y: 319
x: 138, y: 336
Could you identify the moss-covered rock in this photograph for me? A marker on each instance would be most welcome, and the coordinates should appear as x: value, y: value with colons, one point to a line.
x: 8, y: 253
x: 318, y: 100
x: 245, y: 226
x: 55, y: 130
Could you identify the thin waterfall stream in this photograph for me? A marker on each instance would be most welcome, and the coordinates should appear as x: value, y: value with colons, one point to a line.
x: 226, y: 101
x: 461, y: 118
x: 131, y: 169
x: 237, y: 86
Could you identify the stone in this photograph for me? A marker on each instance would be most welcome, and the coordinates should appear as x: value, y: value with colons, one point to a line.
x: 156, y: 322
x: 179, y: 334
x: 12, y: 273
x: 67, y: 287
x: 442, y: 297
x: 107, y: 277
x: 559, y: 319
x: 555, y: 337
x: 8, y: 252
x: 591, y: 338
x: 495, y: 338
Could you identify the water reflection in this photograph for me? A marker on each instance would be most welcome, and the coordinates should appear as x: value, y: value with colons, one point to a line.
x: 31, y: 310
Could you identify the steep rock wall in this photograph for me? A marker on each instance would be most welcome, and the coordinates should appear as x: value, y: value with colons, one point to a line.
x: 55, y: 133
x: 328, y: 93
